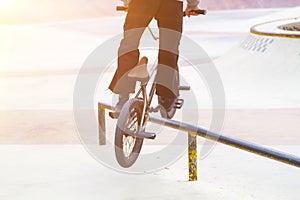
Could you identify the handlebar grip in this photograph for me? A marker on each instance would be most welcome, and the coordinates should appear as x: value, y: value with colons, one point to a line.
x: 121, y: 8
x: 184, y: 87
x: 200, y: 12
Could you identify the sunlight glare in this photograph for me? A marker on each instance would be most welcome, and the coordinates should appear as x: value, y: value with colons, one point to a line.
x: 5, y: 4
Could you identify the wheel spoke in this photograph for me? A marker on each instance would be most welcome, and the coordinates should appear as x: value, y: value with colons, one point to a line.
x: 128, y: 145
x: 134, y: 123
x: 131, y: 120
x: 127, y: 140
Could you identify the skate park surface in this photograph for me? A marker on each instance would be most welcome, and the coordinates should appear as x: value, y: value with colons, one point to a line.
x: 42, y: 154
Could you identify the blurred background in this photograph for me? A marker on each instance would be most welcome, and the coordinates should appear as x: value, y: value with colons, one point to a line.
x: 35, y: 11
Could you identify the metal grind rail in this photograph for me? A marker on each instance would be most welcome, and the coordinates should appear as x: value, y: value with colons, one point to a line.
x: 194, y: 131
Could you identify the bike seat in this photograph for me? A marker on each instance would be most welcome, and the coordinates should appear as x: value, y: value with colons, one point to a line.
x: 140, y: 72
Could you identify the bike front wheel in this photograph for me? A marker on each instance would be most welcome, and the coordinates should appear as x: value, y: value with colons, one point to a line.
x: 128, y: 147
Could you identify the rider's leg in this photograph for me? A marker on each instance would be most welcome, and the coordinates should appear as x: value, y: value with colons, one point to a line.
x: 139, y: 15
x: 169, y: 18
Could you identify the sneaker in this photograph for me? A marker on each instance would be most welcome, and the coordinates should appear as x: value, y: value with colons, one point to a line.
x: 167, y: 103
x: 122, y: 100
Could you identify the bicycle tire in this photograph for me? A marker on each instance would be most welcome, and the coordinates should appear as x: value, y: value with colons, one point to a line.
x: 132, y: 110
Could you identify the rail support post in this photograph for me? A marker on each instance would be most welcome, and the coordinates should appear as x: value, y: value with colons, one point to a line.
x: 192, y: 153
x: 101, y: 122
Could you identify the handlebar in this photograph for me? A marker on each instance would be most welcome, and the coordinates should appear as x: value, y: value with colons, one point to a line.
x: 121, y: 8
x: 200, y: 12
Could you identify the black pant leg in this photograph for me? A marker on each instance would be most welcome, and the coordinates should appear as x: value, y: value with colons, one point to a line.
x: 139, y: 15
x: 169, y: 18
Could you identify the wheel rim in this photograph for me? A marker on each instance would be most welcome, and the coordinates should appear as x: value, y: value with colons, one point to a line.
x: 132, y: 125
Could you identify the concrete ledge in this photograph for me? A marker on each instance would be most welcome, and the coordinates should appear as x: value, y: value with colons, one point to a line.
x: 275, y: 28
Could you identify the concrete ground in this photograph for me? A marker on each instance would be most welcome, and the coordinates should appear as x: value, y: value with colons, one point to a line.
x: 42, y: 155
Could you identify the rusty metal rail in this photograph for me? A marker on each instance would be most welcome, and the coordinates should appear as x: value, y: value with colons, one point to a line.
x: 195, y: 131
x: 234, y: 142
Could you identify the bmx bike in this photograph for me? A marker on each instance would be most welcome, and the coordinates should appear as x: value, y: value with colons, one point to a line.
x: 133, y: 118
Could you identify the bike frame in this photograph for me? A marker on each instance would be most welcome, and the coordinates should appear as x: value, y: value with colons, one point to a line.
x: 147, y: 99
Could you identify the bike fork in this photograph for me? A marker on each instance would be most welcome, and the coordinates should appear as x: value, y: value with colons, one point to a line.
x: 145, y: 99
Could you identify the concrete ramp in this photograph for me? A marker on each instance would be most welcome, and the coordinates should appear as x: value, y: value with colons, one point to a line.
x: 263, y: 71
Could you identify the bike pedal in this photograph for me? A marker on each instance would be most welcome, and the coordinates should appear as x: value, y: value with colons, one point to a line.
x: 146, y: 135
x: 179, y: 103
x: 114, y: 115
